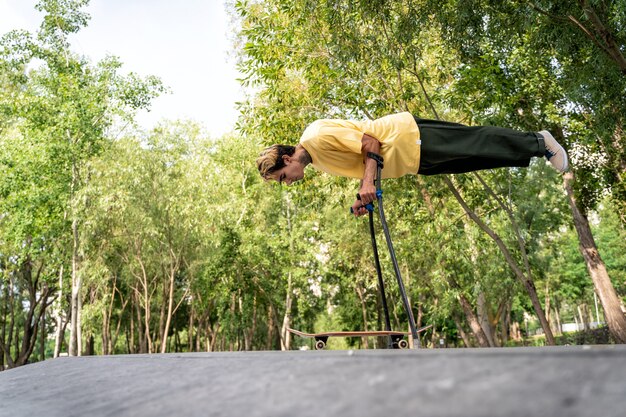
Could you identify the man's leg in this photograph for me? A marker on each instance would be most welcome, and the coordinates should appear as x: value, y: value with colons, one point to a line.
x: 452, y: 148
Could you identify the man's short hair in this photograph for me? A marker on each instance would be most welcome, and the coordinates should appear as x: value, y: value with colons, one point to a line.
x: 271, y: 159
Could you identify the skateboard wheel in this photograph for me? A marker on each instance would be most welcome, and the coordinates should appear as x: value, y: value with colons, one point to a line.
x: 403, y: 344
x: 319, y: 345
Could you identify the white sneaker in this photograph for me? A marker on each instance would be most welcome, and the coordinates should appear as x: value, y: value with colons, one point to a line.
x: 555, y: 152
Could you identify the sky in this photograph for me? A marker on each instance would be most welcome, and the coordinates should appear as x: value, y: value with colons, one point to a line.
x: 184, y: 42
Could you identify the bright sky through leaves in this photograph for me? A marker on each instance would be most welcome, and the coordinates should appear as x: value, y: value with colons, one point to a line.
x: 185, y: 43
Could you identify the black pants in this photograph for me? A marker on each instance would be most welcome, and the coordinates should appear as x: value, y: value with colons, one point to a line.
x: 452, y: 148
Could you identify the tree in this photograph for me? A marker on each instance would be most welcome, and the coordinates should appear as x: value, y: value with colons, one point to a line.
x: 483, y: 62
x: 61, y: 107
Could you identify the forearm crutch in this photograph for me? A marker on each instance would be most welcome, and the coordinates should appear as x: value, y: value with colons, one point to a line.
x: 392, y: 253
x: 381, y: 283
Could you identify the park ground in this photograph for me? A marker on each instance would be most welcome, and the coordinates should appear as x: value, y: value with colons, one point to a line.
x: 534, y: 381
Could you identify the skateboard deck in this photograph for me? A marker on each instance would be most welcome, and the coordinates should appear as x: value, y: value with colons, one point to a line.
x: 397, y: 338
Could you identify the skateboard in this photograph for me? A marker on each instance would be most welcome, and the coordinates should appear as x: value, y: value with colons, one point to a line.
x: 397, y: 338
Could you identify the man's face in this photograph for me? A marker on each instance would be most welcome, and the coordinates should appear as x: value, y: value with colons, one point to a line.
x: 292, y: 171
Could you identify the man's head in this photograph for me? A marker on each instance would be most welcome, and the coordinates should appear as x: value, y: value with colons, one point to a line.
x: 283, y: 163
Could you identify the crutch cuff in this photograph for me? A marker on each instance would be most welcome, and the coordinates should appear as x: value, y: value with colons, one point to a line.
x: 376, y: 157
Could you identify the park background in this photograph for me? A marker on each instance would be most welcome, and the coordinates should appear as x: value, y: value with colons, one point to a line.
x: 121, y: 235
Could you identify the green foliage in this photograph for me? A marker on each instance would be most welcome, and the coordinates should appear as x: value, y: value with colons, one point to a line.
x: 559, y: 65
x: 182, y: 246
x: 600, y: 336
x: 522, y: 66
x: 55, y: 111
x: 611, y: 237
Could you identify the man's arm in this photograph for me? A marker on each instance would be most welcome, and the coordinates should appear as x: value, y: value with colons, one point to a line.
x: 367, y: 191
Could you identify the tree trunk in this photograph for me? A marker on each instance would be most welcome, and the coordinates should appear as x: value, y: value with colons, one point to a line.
x: 471, y: 317
x: 247, y: 340
x: 463, y: 333
x: 557, y: 319
x: 504, y: 324
x: 361, y: 294
x: 74, y: 349
x: 113, y: 339
x: 89, y: 346
x: 213, y: 337
x: 595, y: 304
x: 615, y: 318
x: 515, y: 332
x: 547, y: 306
x: 270, y: 327
x: 170, y: 307
x: 285, y: 335
x: 106, y: 332
x: 146, y: 308
x: 483, y: 316
x: 177, y: 344
x: 474, y: 323
x: 107, y: 344
x: 584, y: 317
x: 141, y: 332
x: 36, y: 309
x: 3, y: 333
x: 190, y: 332
x: 231, y: 328
x: 160, y: 341
x: 254, y: 323
x: 5, y: 344
x: 79, y: 323
x: 42, y: 337
x: 58, y: 313
x: 131, y: 329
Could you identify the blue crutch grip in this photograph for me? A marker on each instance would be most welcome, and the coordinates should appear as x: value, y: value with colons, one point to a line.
x: 368, y: 206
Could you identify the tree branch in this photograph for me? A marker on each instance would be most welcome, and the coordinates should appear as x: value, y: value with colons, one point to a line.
x: 611, y: 48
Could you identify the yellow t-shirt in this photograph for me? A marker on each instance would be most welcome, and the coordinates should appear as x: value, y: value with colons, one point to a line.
x: 335, y: 145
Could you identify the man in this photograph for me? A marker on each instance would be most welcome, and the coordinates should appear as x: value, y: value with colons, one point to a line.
x: 408, y: 145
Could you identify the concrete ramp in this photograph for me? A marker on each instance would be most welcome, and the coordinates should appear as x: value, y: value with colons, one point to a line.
x: 546, y: 382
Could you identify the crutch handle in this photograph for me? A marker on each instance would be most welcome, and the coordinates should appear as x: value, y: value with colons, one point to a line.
x: 368, y: 206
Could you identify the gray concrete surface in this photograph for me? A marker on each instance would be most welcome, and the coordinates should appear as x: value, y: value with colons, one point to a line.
x: 562, y: 381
